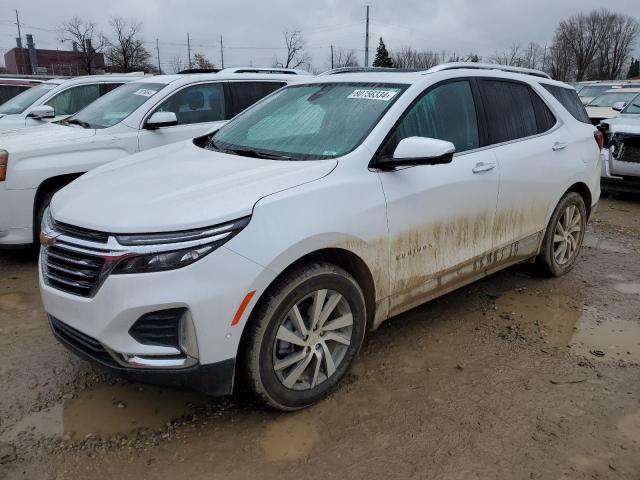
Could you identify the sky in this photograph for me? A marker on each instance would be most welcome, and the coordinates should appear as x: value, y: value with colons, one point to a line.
x: 252, y: 31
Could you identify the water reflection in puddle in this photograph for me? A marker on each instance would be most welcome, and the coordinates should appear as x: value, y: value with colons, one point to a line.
x: 563, y: 322
x: 107, y: 410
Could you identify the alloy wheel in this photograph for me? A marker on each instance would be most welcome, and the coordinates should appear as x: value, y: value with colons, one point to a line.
x: 312, y: 340
x: 567, y: 235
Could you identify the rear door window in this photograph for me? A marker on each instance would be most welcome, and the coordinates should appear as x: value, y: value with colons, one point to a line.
x: 107, y: 87
x: 245, y: 94
x: 196, y: 104
x: 74, y: 99
x: 510, y: 112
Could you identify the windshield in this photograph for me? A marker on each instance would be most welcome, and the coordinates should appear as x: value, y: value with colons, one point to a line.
x: 608, y: 99
x: 634, y: 106
x: 115, y: 106
x: 20, y: 103
x: 591, y: 91
x: 307, y: 122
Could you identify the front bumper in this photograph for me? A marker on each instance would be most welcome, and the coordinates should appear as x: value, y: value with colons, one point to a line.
x: 616, y: 183
x: 16, y: 217
x: 210, y: 289
x: 214, y: 379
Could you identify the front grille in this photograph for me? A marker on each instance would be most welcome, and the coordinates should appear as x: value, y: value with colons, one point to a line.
x: 71, y: 271
x: 81, y: 343
x: 161, y: 328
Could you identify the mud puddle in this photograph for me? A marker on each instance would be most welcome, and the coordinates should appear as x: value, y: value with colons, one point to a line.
x: 562, y: 322
x: 105, y: 411
x: 290, y: 437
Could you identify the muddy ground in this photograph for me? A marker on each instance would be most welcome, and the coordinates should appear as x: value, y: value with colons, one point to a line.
x: 513, y: 377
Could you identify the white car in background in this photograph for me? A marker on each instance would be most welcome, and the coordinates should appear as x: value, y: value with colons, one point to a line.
x: 268, y: 248
x: 588, y: 92
x: 146, y: 113
x: 56, y: 99
x: 610, y: 103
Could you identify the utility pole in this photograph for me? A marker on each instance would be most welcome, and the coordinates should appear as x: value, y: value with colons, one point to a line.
x: 332, y: 57
x: 221, y: 53
x: 189, y: 49
x: 158, y: 50
x: 19, y: 33
x: 366, y: 41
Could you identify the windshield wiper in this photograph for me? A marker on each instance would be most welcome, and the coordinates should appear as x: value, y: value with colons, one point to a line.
x: 248, y: 152
x: 75, y: 121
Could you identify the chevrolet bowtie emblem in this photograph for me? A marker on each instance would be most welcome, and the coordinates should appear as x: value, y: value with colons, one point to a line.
x: 47, y: 239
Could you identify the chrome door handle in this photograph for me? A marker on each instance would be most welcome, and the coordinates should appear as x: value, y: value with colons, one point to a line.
x: 559, y: 146
x: 483, y: 167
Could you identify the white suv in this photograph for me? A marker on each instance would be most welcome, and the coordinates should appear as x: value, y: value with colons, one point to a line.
x: 56, y: 99
x: 146, y: 113
x: 323, y: 210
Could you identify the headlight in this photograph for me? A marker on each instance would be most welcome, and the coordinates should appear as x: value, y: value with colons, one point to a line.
x: 4, y: 159
x: 157, y: 252
x: 157, y: 262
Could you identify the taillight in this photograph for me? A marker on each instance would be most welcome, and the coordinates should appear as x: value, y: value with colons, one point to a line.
x: 598, y: 135
x: 4, y: 157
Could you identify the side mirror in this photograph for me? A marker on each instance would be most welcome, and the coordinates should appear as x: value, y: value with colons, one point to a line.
x: 41, y: 112
x: 161, y: 119
x: 420, y: 151
x: 618, y: 106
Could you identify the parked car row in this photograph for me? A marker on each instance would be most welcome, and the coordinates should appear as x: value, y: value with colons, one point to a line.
x: 12, y: 86
x: 142, y: 113
x: 588, y: 91
x: 197, y: 250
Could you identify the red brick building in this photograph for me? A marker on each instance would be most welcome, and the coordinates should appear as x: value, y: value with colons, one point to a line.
x: 56, y: 62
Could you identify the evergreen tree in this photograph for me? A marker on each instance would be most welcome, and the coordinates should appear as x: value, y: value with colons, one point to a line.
x: 634, y: 68
x: 382, y: 56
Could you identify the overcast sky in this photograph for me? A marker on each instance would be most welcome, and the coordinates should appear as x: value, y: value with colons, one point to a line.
x: 252, y: 30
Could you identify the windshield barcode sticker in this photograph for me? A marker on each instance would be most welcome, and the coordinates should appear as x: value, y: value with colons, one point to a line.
x: 145, y: 92
x: 384, y: 95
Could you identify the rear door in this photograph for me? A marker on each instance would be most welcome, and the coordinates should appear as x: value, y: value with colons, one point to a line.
x: 440, y: 217
x: 534, y: 151
x: 198, y: 108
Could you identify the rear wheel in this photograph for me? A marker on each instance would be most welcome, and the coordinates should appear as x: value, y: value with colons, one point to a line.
x: 564, y: 235
x: 304, y: 336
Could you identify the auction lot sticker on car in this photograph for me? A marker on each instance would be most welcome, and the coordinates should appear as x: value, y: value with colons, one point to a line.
x: 145, y: 92
x: 384, y: 95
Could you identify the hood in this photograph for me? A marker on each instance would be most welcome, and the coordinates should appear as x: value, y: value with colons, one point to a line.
x: 601, y: 112
x: 177, y: 187
x: 624, y: 124
x: 45, y: 137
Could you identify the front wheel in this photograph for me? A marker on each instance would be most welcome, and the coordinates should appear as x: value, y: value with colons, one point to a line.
x: 564, y: 235
x: 304, y: 336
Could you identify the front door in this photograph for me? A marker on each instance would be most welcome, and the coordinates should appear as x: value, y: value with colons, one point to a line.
x: 198, y: 108
x: 440, y: 217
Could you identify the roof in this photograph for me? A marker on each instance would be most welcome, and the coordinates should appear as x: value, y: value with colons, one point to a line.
x: 623, y: 90
x: 203, y: 77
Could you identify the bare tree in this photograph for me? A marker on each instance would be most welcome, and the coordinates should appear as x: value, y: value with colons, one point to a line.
x: 510, y: 57
x: 126, y: 51
x: 200, y: 61
x: 561, y: 64
x: 296, y: 56
x: 532, y: 56
x: 620, y: 35
x: 343, y: 57
x: 582, y: 34
x: 177, y: 64
x: 410, y: 58
x: 85, y: 36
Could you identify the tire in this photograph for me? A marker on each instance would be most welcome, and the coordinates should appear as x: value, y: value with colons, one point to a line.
x: 291, y: 376
x: 551, y: 260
